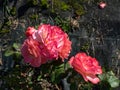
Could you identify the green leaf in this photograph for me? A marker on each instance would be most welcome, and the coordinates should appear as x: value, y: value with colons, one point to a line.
x: 17, y: 53
x: 16, y: 46
x: 102, y: 76
x: 67, y: 66
x: 57, y: 73
x: 4, y: 31
x: 53, y: 77
x: 39, y: 78
x: 113, y: 81
x: 64, y: 6
x: 110, y: 78
x: 9, y: 53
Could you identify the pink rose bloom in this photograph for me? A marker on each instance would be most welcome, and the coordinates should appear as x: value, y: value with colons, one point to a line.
x: 63, y: 42
x: 46, y: 43
x: 31, y: 52
x: 66, y: 48
x: 54, y: 40
x: 87, y: 66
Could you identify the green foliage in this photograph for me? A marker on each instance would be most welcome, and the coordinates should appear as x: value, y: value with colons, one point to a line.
x: 16, y: 46
x: 34, y: 2
x: 15, y: 49
x: 7, y: 22
x: 33, y: 16
x: 77, y: 6
x: 85, y: 47
x: 79, y: 10
x: 44, y: 3
x: 13, y: 11
x: 110, y: 78
x: 57, y: 73
x: 63, y: 23
x: 9, y: 52
x: 4, y: 31
x: 59, y: 5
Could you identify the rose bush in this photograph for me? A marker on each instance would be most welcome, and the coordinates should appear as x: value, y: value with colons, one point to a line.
x: 46, y: 43
x: 87, y: 66
x: 50, y: 43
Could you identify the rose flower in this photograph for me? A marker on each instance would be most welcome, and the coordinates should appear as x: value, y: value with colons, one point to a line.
x: 55, y: 41
x: 31, y: 52
x: 87, y: 66
x: 46, y: 43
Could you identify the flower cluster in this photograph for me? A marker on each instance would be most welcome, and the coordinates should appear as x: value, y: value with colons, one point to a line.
x: 46, y: 43
x: 50, y: 43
